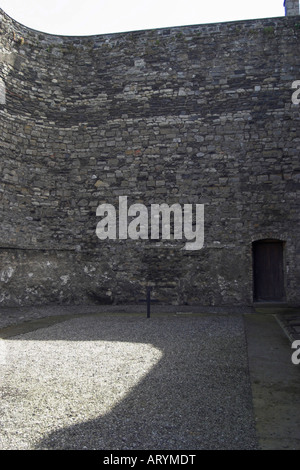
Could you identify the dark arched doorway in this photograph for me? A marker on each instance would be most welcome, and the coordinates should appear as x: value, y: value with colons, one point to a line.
x: 268, y: 271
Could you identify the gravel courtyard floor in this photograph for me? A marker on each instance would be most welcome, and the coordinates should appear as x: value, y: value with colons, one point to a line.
x: 122, y: 381
x: 108, y: 378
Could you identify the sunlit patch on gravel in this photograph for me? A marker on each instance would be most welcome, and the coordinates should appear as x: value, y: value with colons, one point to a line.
x: 2, y: 352
x: 50, y: 385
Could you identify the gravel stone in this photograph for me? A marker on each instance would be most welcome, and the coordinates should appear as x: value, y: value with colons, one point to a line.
x: 127, y: 382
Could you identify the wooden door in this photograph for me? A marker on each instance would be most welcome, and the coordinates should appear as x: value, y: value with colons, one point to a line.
x: 268, y: 270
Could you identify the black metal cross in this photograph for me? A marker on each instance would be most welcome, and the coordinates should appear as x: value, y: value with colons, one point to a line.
x: 148, y: 300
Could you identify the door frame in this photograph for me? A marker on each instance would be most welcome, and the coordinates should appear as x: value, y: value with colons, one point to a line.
x: 283, y: 245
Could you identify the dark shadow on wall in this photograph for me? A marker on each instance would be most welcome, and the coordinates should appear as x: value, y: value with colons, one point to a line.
x: 198, y: 395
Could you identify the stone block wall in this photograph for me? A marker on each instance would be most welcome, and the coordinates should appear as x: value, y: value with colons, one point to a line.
x: 292, y: 7
x: 191, y: 115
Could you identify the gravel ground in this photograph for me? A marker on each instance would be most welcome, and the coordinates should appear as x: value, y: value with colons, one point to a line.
x: 172, y: 382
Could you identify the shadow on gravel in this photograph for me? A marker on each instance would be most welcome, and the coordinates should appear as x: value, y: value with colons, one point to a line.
x: 198, y: 396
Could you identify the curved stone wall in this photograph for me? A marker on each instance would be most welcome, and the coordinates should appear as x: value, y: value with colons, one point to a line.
x: 190, y: 115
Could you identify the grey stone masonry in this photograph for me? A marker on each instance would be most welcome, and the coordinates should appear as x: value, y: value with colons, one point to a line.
x: 292, y: 7
x: 204, y: 114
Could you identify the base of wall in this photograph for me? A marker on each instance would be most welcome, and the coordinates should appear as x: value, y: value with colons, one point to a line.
x: 275, y: 308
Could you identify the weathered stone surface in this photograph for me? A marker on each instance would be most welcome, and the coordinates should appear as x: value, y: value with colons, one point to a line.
x: 200, y: 114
